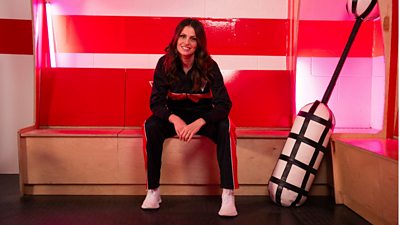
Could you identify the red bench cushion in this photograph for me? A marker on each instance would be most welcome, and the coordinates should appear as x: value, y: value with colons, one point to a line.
x: 82, y: 97
x: 120, y: 97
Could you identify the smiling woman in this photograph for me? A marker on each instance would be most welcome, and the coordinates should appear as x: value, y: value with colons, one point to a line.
x: 188, y: 70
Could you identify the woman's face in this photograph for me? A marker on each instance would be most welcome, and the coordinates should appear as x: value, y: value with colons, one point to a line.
x: 187, y: 42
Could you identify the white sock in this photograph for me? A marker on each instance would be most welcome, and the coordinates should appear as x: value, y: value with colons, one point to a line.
x: 228, y: 207
x: 152, y: 200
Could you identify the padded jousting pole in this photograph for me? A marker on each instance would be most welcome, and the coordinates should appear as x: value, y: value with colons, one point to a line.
x: 309, y: 137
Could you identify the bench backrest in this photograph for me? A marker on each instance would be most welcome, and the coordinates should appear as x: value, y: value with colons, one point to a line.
x: 120, y: 97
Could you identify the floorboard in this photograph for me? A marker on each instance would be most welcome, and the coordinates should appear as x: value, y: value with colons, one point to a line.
x: 175, y: 210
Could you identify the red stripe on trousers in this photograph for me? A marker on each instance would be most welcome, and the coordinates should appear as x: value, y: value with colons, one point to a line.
x: 145, y: 152
x: 233, y: 139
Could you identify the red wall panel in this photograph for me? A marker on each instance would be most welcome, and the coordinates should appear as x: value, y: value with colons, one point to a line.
x: 328, y: 38
x: 150, y: 35
x: 82, y: 97
x: 378, y: 47
x: 16, y: 37
x: 261, y: 98
x: 138, y: 90
x: 104, y: 97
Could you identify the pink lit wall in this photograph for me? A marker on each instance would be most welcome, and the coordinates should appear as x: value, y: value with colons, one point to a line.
x: 358, y: 99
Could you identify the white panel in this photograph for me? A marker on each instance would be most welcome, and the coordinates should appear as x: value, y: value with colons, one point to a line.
x: 180, y: 8
x: 129, y: 8
x: 16, y: 9
x: 101, y: 7
x: 16, y: 104
x: 175, y: 8
x: 83, y: 60
x: 353, y: 66
x: 354, y: 108
x: 149, y: 61
x: 377, y: 92
x: 351, y: 100
x: 249, y: 62
x: 324, y: 10
x: 310, y: 88
x: 378, y: 66
x: 377, y: 102
x: 303, y: 66
x: 277, y: 9
x: 272, y: 62
x: 144, y: 61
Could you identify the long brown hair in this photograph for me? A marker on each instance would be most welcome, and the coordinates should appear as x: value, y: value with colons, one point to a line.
x: 202, y: 59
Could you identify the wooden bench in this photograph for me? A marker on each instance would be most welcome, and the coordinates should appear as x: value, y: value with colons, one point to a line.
x: 366, y: 177
x: 109, y: 161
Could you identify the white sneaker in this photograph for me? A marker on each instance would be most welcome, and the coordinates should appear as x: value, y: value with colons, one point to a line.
x: 228, y: 207
x: 152, y: 200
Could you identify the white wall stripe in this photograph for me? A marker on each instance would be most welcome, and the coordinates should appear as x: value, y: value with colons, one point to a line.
x: 17, y: 105
x: 276, y: 9
x: 149, y: 61
x: 16, y: 9
x: 324, y: 10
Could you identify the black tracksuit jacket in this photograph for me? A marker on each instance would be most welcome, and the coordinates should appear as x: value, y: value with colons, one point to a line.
x: 212, y: 105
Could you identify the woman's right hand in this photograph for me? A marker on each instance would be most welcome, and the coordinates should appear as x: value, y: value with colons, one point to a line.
x: 179, y: 124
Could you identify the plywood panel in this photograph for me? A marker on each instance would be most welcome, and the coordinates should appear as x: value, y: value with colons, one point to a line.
x: 115, y: 165
x: 189, y: 163
x: 257, y: 159
x: 366, y: 182
x: 130, y: 169
x: 71, y: 160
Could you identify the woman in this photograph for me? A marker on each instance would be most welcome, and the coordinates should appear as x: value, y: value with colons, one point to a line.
x: 189, y: 97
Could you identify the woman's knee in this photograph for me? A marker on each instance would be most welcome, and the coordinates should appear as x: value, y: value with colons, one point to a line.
x: 152, y: 123
x: 157, y: 128
x: 223, y: 125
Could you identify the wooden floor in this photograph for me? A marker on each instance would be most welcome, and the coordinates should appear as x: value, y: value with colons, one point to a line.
x: 175, y: 210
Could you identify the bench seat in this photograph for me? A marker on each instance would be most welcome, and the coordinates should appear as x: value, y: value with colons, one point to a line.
x: 109, y: 161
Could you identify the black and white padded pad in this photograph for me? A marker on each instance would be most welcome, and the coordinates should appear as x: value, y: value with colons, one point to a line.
x: 302, y: 154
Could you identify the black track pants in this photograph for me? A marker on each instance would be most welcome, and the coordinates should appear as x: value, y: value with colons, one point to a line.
x: 221, y: 133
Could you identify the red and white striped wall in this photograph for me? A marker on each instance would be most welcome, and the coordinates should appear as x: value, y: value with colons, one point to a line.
x: 16, y: 78
x: 243, y: 35
x: 248, y: 39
